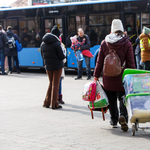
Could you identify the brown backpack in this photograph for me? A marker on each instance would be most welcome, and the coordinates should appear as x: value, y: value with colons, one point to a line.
x: 112, y: 64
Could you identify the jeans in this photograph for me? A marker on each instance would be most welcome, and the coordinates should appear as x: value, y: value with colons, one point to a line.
x: 60, y: 86
x: 80, y: 68
x: 17, y: 63
x: 113, y: 108
x: 138, y: 59
x: 2, y: 58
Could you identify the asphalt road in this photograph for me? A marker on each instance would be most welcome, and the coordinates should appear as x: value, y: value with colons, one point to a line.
x: 26, y: 125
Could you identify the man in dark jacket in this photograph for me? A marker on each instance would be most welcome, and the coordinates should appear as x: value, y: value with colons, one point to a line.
x: 86, y: 46
x: 53, y: 56
x: 13, y: 51
x: 3, y: 42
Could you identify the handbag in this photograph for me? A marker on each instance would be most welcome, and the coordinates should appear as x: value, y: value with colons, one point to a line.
x: 6, y: 51
x: 19, y: 46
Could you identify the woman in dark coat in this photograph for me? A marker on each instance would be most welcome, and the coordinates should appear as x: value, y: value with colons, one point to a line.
x: 13, y: 52
x: 118, y: 41
x: 53, y: 56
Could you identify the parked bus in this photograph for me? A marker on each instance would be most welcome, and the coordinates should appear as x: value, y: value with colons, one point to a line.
x: 95, y: 17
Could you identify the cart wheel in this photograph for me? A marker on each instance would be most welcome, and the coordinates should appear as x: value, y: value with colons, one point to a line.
x: 133, y: 130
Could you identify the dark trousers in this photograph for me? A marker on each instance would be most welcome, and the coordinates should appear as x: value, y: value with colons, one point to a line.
x: 80, y: 68
x: 147, y: 65
x: 53, y: 87
x: 113, y: 108
x: 2, y: 59
x: 16, y: 61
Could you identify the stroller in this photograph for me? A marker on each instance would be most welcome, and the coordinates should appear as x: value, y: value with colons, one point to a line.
x: 137, y: 89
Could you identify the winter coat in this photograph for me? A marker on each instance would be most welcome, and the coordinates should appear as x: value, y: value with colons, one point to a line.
x: 124, y: 50
x: 4, y: 40
x: 51, y: 52
x: 13, y: 52
x: 85, y: 46
x: 145, y: 54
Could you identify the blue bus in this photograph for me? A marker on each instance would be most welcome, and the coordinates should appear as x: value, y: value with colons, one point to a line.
x: 95, y: 17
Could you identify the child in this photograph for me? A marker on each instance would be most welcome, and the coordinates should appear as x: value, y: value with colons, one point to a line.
x: 75, y: 46
x: 62, y: 75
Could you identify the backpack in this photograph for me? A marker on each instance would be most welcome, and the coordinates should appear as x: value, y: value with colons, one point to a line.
x: 11, y: 42
x: 89, y: 92
x: 1, y: 41
x: 112, y: 64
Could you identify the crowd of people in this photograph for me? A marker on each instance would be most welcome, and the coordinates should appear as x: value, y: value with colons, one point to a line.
x: 53, y: 53
x: 8, y: 50
x: 118, y: 40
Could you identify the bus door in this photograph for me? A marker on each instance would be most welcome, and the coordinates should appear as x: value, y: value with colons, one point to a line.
x: 2, y: 23
x: 132, y: 26
x: 59, y: 21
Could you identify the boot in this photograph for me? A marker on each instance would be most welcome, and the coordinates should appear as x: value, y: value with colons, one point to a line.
x: 60, y: 99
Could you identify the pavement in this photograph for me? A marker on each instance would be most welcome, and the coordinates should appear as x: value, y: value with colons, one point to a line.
x: 26, y: 125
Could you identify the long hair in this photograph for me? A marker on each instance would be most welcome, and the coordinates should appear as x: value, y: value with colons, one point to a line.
x: 119, y: 33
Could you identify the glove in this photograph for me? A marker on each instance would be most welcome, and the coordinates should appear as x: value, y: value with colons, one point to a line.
x: 95, y: 79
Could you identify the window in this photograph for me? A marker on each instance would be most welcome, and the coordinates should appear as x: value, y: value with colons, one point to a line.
x: 100, y: 26
x: 145, y: 20
x: 30, y: 33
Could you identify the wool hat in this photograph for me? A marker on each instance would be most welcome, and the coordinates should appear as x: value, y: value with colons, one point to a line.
x: 116, y: 26
x: 55, y: 31
x: 73, y: 39
x: 146, y: 30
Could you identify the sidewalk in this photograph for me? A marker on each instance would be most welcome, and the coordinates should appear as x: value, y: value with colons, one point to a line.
x: 26, y: 125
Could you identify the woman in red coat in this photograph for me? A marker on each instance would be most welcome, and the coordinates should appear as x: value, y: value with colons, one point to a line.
x: 118, y: 41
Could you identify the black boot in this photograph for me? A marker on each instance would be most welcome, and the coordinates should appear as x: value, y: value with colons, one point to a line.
x: 78, y: 77
x: 89, y: 77
x: 60, y: 99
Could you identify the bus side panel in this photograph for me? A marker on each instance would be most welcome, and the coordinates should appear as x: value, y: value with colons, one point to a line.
x: 30, y: 57
x: 94, y: 50
x: 72, y: 61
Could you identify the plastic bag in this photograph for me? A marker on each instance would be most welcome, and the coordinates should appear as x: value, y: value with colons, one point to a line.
x: 19, y: 46
x: 89, y: 91
x: 79, y: 55
x: 101, y: 99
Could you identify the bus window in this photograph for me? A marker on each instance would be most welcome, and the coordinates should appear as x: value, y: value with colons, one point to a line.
x: 100, y: 26
x: 80, y: 22
x: 71, y: 29
x: 48, y: 25
x: 13, y: 23
x: 31, y: 33
x: 22, y: 25
x: 58, y: 22
x: 145, y: 20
